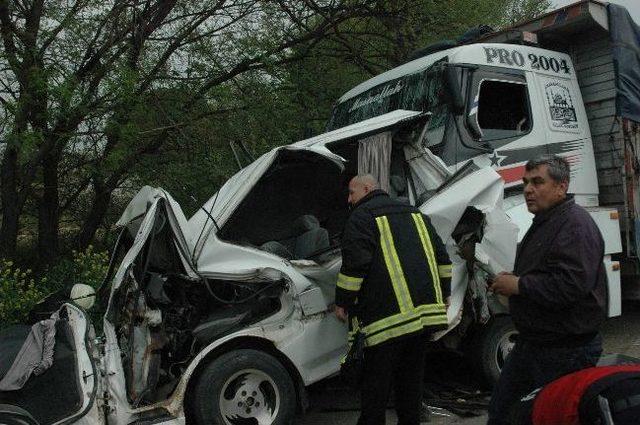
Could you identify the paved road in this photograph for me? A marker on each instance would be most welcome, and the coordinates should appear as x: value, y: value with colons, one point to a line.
x: 331, y: 404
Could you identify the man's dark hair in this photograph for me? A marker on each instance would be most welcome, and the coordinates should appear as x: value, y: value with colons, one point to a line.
x: 558, y: 167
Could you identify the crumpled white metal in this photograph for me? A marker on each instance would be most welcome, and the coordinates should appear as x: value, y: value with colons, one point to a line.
x: 483, y: 190
x: 312, y: 339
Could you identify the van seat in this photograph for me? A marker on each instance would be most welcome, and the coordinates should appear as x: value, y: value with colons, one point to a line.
x: 307, y: 238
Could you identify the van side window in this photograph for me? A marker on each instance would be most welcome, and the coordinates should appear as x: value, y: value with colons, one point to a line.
x: 503, y: 109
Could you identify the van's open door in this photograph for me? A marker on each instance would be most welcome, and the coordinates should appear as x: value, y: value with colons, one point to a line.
x: 67, y: 389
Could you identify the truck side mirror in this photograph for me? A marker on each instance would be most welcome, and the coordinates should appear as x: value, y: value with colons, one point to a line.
x: 452, y: 85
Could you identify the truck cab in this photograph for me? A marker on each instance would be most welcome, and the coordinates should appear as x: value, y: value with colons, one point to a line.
x: 514, y: 102
x: 503, y: 99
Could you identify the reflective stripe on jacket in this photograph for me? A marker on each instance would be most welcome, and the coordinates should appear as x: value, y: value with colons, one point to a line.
x: 395, y: 271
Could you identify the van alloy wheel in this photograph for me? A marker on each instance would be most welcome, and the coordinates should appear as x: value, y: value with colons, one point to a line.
x: 248, y: 394
x: 243, y: 386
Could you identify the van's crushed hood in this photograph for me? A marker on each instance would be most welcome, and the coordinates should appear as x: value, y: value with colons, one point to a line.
x: 141, y: 213
x: 191, y: 235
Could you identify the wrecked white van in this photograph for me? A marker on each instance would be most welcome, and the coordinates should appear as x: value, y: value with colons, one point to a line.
x: 226, y: 317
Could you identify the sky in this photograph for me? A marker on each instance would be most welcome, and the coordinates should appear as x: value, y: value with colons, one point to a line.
x: 633, y: 6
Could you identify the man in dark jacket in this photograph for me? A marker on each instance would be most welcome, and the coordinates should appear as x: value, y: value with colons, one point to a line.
x: 556, y: 292
x: 393, y: 285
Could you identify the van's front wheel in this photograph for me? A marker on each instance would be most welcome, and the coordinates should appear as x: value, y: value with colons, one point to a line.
x: 244, y: 386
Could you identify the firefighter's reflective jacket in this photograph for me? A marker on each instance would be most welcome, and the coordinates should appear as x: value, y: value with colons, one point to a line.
x: 395, y: 271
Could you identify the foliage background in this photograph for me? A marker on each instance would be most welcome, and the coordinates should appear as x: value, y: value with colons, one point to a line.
x: 98, y: 98
x: 21, y: 289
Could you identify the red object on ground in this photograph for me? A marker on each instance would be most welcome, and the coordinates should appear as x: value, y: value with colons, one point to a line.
x: 558, y: 402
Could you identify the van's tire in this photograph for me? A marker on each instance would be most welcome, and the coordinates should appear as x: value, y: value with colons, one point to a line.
x: 491, y: 345
x: 243, y: 384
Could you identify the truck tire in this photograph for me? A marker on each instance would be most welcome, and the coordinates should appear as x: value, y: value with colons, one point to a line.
x: 492, y: 345
x: 244, y: 386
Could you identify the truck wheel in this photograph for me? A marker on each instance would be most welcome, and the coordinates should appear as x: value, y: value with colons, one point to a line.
x: 494, y: 342
x: 244, y: 386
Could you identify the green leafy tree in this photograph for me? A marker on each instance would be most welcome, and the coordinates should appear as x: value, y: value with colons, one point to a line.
x: 74, y: 74
x: 18, y: 293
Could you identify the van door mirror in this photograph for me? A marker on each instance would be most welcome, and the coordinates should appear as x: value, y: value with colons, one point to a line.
x: 452, y: 86
x: 83, y: 295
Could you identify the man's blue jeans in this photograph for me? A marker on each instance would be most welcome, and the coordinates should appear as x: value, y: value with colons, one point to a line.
x: 531, y: 366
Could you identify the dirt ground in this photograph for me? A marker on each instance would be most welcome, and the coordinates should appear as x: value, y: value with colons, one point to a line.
x: 333, y: 404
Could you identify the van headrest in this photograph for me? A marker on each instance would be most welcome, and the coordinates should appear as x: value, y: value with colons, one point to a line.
x: 304, y: 223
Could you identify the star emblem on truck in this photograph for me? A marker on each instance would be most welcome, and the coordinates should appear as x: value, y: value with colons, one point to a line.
x: 496, y: 159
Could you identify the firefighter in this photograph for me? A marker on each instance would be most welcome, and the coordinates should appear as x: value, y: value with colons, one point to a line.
x: 394, y: 286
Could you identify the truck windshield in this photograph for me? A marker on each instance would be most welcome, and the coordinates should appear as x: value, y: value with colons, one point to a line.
x: 420, y: 91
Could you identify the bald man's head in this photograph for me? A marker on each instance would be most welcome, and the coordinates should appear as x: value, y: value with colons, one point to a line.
x: 360, y: 186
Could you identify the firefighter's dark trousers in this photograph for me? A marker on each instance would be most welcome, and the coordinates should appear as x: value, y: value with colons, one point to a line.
x: 401, y: 364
